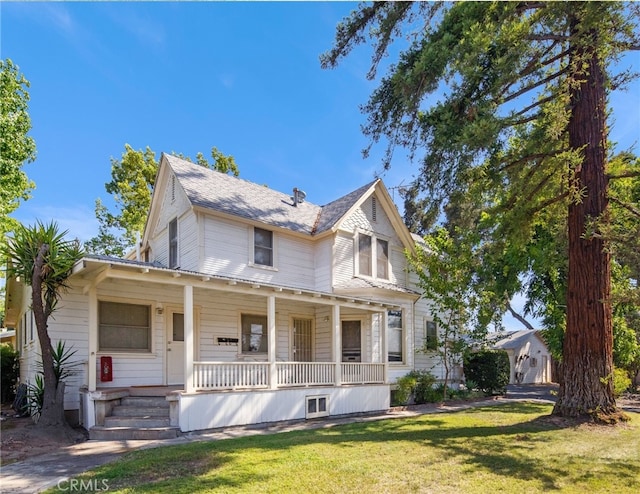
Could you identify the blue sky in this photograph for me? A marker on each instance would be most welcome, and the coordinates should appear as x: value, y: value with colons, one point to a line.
x: 184, y: 77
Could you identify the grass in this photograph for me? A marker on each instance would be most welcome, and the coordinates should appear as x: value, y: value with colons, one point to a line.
x: 500, y: 448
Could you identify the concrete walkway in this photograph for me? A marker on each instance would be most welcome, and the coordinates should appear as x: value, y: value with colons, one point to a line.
x: 55, y: 469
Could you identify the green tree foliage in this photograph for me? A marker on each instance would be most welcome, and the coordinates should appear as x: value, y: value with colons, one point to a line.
x: 446, y: 276
x: 504, y: 106
x: 43, y: 260
x: 131, y: 186
x: 16, y: 146
x: 9, y: 371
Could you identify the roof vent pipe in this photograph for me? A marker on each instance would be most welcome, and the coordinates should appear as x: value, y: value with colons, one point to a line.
x: 298, y: 196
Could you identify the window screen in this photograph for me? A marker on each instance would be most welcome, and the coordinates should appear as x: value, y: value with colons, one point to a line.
x: 364, y: 254
x: 124, y: 327
x: 254, y: 334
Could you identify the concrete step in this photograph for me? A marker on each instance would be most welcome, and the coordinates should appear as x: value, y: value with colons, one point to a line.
x: 144, y: 401
x: 142, y: 422
x: 131, y: 433
x: 136, y: 411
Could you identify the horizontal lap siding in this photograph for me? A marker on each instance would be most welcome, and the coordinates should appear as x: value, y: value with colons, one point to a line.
x: 344, y: 268
x: 227, y: 250
x: 220, y: 318
x: 68, y: 323
x: 132, y: 369
x: 188, y: 250
x: 323, y: 264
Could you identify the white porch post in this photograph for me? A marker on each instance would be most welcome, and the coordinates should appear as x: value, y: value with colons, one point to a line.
x: 384, y: 321
x: 337, y: 344
x: 188, y: 339
x: 271, y: 351
x: 93, y: 339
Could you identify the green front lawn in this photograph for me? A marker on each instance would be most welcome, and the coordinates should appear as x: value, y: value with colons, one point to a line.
x: 502, y: 448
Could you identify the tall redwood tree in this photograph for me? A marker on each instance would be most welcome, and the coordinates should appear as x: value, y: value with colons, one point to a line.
x: 506, y: 103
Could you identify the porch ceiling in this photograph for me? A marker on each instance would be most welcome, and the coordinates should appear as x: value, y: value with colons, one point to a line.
x: 96, y: 270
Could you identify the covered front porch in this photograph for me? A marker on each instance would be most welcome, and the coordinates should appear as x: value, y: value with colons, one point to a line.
x: 318, y: 354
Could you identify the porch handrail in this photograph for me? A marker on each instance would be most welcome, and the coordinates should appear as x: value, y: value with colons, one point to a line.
x: 305, y: 373
x: 230, y: 375
x: 362, y: 373
x: 255, y: 375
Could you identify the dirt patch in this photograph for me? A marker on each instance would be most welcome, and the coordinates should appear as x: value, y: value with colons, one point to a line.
x: 21, y: 439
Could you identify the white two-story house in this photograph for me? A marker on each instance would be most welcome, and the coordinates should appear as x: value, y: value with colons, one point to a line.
x: 242, y: 305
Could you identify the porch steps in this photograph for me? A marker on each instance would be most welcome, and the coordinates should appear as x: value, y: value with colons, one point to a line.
x: 137, y: 417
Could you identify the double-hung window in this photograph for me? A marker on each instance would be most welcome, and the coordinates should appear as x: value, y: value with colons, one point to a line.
x: 124, y: 327
x: 364, y: 254
x: 173, y: 243
x: 262, y: 247
x: 395, y: 336
x: 431, y: 335
x: 368, y: 265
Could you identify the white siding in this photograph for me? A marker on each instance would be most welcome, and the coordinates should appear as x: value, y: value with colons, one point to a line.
x: 214, y: 410
x: 228, y: 246
x: 344, y: 258
x: 188, y: 250
x: 324, y: 264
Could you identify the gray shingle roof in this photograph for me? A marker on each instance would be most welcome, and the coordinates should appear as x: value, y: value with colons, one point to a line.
x: 231, y: 195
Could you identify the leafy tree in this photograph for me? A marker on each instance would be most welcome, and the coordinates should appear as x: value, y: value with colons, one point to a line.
x: 131, y: 186
x: 508, y: 103
x: 43, y: 259
x: 445, y: 275
x: 16, y: 146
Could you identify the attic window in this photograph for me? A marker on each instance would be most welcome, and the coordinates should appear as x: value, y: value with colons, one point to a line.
x: 173, y: 188
x: 374, y: 209
x: 173, y: 243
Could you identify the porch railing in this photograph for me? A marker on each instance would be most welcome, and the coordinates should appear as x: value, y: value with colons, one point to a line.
x: 230, y: 375
x: 353, y: 373
x: 255, y: 375
x: 305, y: 373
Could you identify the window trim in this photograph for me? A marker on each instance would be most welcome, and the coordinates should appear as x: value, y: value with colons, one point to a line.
x: 253, y: 262
x: 373, y: 255
x: 150, y: 329
x: 403, y: 333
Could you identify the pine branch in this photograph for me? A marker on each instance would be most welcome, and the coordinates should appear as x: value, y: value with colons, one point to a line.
x: 629, y: 174
x: 626, y: 206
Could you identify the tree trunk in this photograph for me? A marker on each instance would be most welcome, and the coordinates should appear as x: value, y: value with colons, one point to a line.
x: 586, y: 388
x: 52, y: 413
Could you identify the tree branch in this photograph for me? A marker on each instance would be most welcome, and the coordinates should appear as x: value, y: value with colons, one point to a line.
x: 626, y: 206
x: 519, y: 317
x: 629, y: 174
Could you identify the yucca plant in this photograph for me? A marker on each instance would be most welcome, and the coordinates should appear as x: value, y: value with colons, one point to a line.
x: 43, y: 259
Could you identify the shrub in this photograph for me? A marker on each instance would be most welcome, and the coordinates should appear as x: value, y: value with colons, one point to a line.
x: 9, y: 371
x: 489, y: 370
x: 417, y: 384
x: 621, y: 381
x: 404, y: 390
x: 424, y: 391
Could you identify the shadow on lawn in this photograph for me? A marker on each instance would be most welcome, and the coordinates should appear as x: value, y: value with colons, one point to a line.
x: 469, y: 438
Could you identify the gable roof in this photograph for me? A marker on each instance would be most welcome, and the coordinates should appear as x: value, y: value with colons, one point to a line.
x: 516, y: 339
x: 212, y: 190
x: 239, y: 197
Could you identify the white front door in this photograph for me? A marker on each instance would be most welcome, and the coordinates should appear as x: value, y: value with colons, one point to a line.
x: 175, y: 348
